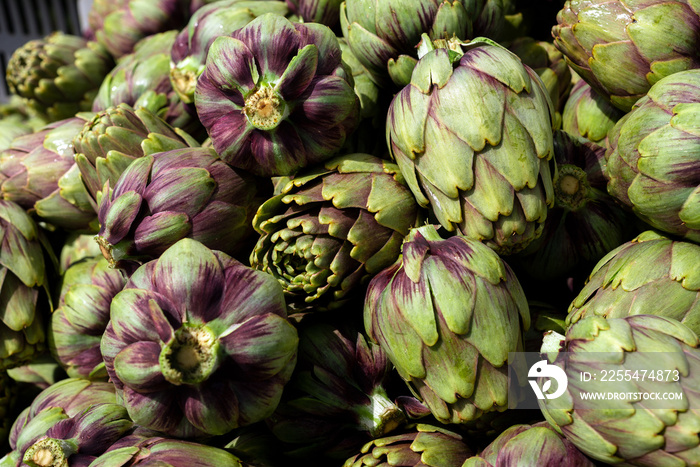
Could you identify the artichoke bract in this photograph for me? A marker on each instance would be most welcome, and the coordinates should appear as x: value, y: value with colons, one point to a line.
x: 337, y: 399
x: 627, y: 431
x: 114, y: 137
x: 423, y: 446
x: 472, y: 135
x: 275, y: 96
x: 166, y: 196
x: 39, y: 173
x: 332, y: 228
x: 619, y: 287
x: 198, y: 343
x: 585, y: 222
x: 23, y: 287
x: 220, y: 18
x: 588, y: 115
x: 77, y: 324
x: 622, y: 48
x: 326, y: 12
x: 654, y: 156
x: 59, y: 75
x: 537, y: 444
x: 120, y: 24
x: 447, y: 314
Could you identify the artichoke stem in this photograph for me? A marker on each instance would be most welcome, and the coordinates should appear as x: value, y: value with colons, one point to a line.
x: 571, y: 187
x: 191, y: 356
x: 50, y: 452
x: 380, y: 416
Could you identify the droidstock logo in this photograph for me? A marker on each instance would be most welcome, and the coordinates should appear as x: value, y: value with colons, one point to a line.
x: 542, y: 369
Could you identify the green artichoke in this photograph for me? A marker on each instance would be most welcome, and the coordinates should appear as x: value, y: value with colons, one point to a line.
x: 77, y: 247
x: 59, y: 75
x: 622, y: 48
x: 23, y: 287
x: 77, y: 324
x: 114, y: 137
x: 654, y: 156
x: 487, y: 176
x: 628, y: 431
x: 276, y: 96
x: 332, y: 228
x: 589, y: 115
x: 619, y: 287
x: 424, y: 446
x: 39, y: 173
x: 529, y: 445
x: 199, y: 344
x: 447, y: 314
x: 166, y: 196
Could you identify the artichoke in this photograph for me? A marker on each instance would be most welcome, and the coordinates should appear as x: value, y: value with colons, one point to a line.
x: 120, y: 24
x: 622, y: 48
x: 166, y: 196
x: 275, y: 96
x: 326, y: 12
x: 58, y: 75
x: 337, y: 399
x: 447, y: 314
x: 654, y: 156
x: 585, y: 222
x: 82, y: 315
x: 424, y: 446
x: 141, y: 449
x: 332, y: 228
x: 619, y: 287
x: 39, y: 173
x: 631, y: 431
x: 488, y: 176
x: 114, y: 137
x: 384, y: 34
x: 77, y: 247
x: 219, y: 18
x: 23, y: 287
x: 198, y: 343
x: 525, y: 445
x: 142, y: 79
x: 588, y: 115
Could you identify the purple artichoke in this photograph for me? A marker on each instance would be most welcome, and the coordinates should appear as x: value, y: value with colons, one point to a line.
x: 275, y: 96
x: 170, y: 195
x: 198, y: 343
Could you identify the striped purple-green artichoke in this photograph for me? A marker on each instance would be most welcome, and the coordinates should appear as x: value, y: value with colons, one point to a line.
x: 585, y: 222
x: 153, y: 450
x: 654, y: 156
x: 332, y: 228
x: 588, y: 115
x: 667, y: 285
x: 39, y: 173
x: 23, y: 287
x: 142, y: 79
x: 423, y: 446
x: 108, y: 143
x: 627, y: 431
x: 77, y: 441
x: 622, y: 48
x: 198, y: 343
x: 337, y: 399
x: 384, y: 34
x: 489, y: 176
x: 77, y: 325
x: 447, y: 314
x: 120, y: 24
x: 164, y: 197
x: 58, y: 75
x: 529, y: 445
x: 275, y: 96
x: 219, y: 18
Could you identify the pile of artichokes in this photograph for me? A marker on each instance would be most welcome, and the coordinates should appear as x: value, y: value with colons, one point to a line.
x: 313, y: 232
